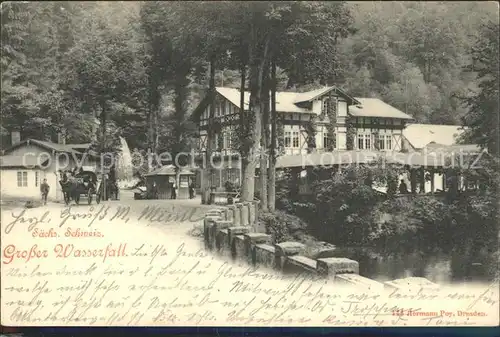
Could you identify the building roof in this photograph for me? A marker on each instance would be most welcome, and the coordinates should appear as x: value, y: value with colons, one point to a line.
x: 326, y: 158
x: 169, y: 170
x: 456, y: 148
x: 68, y: 148
x: 420, y: 135
x: 291, y: 102
x: 374, y: 107
x: 20, y: 161
x: 285, y: 101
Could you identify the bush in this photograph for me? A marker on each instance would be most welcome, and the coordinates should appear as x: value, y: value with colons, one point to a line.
x: 284, y: 227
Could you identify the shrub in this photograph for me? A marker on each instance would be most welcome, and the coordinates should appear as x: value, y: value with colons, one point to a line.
x: 284, y: 227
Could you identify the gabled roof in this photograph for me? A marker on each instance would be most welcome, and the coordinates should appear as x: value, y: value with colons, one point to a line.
x: 326, y: 158
x: 20, y: 161
x: 68, y: 148
x: 169, y: 170
x: 374, y: 107
x: 420, y: 135
x: 456, y: 148
x: 309, y: 96
x: 285, y: 101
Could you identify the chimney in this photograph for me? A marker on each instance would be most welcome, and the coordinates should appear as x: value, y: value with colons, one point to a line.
x: 15, y: 137
x: 61, y: 138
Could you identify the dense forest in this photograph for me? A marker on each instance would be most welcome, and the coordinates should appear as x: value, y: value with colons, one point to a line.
x: 145, y: 66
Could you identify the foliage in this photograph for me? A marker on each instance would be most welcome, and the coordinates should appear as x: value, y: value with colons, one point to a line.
x: 230, y: 186
x: 350, y: 133
x: 482, y: 119
x: 332, y: 122
x: 412, y: 55
x: 284, y: 227
x: 311, y: 131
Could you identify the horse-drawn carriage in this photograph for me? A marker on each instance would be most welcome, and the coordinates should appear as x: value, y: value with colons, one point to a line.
x: 83, y: 183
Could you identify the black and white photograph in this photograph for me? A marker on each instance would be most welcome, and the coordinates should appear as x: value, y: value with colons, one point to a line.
x: 249, y: 163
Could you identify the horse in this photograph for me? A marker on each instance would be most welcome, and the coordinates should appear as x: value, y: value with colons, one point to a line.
x: 71, y: 187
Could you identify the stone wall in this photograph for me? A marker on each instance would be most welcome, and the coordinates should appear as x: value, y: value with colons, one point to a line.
x: 233, y: 231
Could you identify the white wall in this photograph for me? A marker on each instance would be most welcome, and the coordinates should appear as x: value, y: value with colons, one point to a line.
x: 342, y: 139
x: 49, y: 172
x: 342, y: 109
x: 317, y: 106
x: 8, y: 177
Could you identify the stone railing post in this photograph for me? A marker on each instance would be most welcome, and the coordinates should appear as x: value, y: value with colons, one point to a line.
x: 218, y: 226
x: 251, y: 214
x: 253, y: 239
x: 208, y: 224
x: 331, y: 266
x: 236, y: 240
x: 257, y: 205
x: 230, y: 212
x: 237, y: 214
x: 244, y: 214
x: 284, y: 249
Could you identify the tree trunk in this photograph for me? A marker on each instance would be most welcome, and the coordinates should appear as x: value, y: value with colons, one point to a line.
x: 154, y: 105
x: 206, y: 184
x: 180, y: 103
x: 272, y: 149
x: 103, y: 147
x: 250, y: 158
x: 264, y: 149
x: 242, y: 120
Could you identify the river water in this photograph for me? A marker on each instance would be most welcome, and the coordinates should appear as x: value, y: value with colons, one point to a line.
x: 438, y: 268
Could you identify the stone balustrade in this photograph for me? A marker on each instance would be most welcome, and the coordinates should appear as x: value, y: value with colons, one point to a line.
x: 234, y: 231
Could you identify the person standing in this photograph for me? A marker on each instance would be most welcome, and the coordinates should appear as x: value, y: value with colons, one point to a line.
x: 44, y: 188
x: 154, y: 191
x: 174, y: 191
x: 403, y: 189
x: 191, y: 190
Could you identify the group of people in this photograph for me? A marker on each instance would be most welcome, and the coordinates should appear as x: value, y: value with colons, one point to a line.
x: 173, y: 190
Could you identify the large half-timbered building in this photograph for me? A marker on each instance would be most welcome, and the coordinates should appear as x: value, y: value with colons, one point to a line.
x: 377, y: 125
x: 373, y: 124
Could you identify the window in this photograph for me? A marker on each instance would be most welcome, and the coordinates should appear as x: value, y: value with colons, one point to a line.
x: 36, y: 178
x: 288, y: 139
x: 388, y: 142
x: 361, y: 142
x: 296, y: 139
x: 326, y: 104
x: 227, y: 140
x: 368, y: 142
x: 214, y: 142
x: 326, y: 141
x: 380, y: 142
x: 223, y: 108
x: 217, y: 109
x: 22, y: 179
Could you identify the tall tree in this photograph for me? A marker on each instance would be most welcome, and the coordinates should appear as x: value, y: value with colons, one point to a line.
x: 482, y: 121
x: 274, y: 144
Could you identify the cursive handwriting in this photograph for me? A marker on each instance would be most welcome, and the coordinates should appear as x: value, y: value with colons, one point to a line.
x: 162, y: 215
x: 162, y: 284
x: 94, y: 215
x: 22, y: 218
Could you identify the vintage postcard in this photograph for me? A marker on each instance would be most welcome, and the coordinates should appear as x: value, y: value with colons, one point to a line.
x: 307, y: 164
